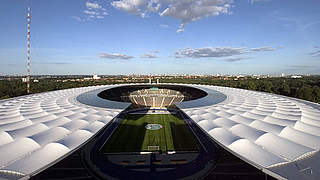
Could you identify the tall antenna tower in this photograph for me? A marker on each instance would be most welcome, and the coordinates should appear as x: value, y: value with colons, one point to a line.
x: 28, y: 49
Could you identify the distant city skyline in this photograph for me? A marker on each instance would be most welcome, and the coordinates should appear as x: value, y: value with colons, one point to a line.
x: 161, y: 37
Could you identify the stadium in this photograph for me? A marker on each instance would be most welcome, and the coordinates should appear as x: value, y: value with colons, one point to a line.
x: 159, y: 131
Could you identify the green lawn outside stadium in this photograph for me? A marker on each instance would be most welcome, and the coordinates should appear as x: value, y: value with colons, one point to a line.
x: 132, y: 136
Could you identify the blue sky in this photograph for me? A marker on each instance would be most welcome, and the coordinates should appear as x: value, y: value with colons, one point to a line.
x: 161, y: 37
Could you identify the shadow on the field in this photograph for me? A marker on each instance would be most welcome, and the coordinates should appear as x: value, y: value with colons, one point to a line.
x: 134, y: 117
x: 183, y: 139
x: 126, y: 138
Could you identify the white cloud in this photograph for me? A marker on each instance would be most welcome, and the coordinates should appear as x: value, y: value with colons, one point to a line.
x: 217, y: 52
x: 90, y: 12
x: 192, y: 10
x: 315, y: 53
x: 209, y: 52
x: 148, y: 55
x: 91, y: 5
x: 154, y: 5
x: 131, y: 6
x: 155, y: 51
x: 259, y: 49
x: 180, y: 30
x: 186, y: 11
x: 234, y: 59
x: 114, y: 56
x: 77, y: 18
x: 93, y: 11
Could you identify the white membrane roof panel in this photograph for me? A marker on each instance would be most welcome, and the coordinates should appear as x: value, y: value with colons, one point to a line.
x: 51, y: 152
x: 267, y: 130
x: 39, y: 129
x: 260, y: 156
x: 277, y: 133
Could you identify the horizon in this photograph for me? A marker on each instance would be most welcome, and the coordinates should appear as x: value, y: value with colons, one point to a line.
x: 164, y: 75
x: 143, y: 37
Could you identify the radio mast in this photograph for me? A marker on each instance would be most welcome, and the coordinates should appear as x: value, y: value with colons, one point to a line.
x: 28, y: 49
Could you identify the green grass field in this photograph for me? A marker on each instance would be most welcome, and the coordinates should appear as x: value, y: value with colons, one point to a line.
x: 132, y: 136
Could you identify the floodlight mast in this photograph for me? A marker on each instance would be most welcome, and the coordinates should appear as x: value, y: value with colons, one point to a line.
x: 28, y: 48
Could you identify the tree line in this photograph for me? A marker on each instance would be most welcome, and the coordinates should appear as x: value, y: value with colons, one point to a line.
x: 14, y: 88
x: 307, y: 88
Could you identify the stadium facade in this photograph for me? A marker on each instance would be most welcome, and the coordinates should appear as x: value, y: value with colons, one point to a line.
x: 278, y: 135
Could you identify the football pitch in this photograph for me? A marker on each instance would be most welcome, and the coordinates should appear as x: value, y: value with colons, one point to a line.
x: 132, y: 136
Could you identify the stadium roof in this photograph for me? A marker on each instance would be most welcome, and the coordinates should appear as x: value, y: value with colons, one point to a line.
x: 277, y: 134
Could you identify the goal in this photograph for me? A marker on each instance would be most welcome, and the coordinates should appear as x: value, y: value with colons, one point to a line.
x: 153, y: 148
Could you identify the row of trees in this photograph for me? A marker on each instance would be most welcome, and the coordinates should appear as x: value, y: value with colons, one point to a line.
x: 307, y: 88
x: 15, y: 88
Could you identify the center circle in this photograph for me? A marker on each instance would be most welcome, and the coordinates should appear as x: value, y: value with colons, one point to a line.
x: 153, y: 126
